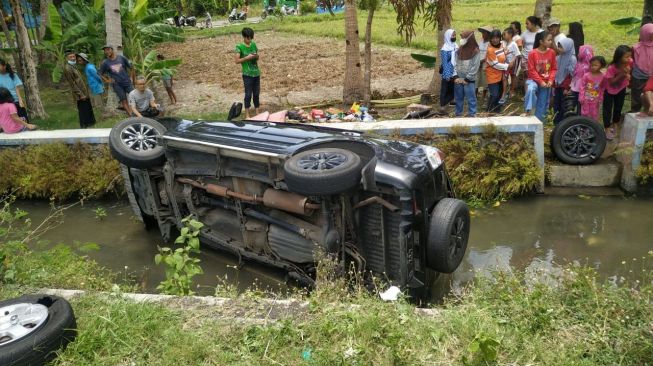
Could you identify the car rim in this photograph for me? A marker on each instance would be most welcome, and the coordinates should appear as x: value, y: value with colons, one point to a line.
x: 579, y: 141
x: 139, y: 137
x: 457, y: 238
x: 20, y: 320
x: 322, y: 161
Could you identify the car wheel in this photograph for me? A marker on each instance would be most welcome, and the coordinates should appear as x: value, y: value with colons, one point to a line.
x: 322, y: 172
x: 134, y: 142
x: 33, y: 328
x: 448, y: 235
x: 578, y: 140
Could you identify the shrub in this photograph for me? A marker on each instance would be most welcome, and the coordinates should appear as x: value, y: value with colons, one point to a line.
x: 59, y: 171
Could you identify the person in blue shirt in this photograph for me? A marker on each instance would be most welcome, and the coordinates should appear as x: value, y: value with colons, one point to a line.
x: 10, y: 80
x: 93, y: 79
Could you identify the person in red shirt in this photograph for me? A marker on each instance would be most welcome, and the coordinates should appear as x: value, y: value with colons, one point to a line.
x: 542, y: 68
x: 615, y: 83
x: 647, y: 99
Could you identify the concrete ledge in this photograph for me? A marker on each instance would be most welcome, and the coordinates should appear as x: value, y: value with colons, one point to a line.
x: 72, y: 136
x: 631, y: 144
x: 600, y: 174
x: 442, y: 126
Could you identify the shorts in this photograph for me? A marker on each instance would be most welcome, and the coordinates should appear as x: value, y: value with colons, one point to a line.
x: 649, y: 86
x: 151, y: 112
x: 122, y: 90
x: 167, y: 83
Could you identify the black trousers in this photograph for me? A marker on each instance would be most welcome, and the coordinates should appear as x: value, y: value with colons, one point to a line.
x: 86, y: 116
x: 446, y: 92
x: 612, y: 106
x: 496, y: 91
x: 252, y: 90
x: 637, y: 85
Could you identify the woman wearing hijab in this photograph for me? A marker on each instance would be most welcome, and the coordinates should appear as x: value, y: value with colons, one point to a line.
x: 643, y: 66
x: 467, y: 62
x: 447, y: 69
x: 564, y: 75
x: 576, y: 33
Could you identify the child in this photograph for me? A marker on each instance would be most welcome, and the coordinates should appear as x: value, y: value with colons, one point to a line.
x: 467, y: 60
x: 497, y: 66
x: 566, y: 67
x: 642, y: 66
x: 9, y: 120
x: 591, y: 95
x: 167, y: 83
x: 647, y: 99
x: 513, y: 56
x: 542, y: 68
x: 585, y: 54
x: 615, y: 81
x: 247, y: 56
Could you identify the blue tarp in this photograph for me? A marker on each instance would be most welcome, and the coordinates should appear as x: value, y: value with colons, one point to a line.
x: 31, y: 21
x: 335, y: 9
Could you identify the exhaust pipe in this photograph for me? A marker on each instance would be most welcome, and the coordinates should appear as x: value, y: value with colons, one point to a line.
x: 272, y: 198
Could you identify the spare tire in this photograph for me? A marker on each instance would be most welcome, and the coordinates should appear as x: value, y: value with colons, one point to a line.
x: 448, y: 235
x: 322, y: 172
x: 578, y: 140
x: 33, y: 328
x: 135, y: 142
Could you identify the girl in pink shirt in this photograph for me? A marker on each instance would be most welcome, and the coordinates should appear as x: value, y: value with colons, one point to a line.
x: 9, y: 120
x: 615, y: 81
x: 590, y: 93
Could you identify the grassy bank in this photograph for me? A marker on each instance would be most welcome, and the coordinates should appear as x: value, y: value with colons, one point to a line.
x: 467, y: 14
x: 561, y: 316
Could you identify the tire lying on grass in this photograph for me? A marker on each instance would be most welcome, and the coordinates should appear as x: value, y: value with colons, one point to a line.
x: 33, y: 328
x: 134, y: 142
x: 578, y: 140
x: 322, y: 172
x: 448, y: 235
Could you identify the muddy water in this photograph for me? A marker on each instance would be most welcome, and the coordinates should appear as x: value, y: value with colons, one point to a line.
x: 537, y: 232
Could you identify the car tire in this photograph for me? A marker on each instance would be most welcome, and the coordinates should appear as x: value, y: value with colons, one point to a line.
x: 578, y: 140
x: 448, y: 235
x: 322, y: 172
x: 54, y: 327
x: 134, y: 142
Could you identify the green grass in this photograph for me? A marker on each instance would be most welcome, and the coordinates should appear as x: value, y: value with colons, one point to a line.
x: 62, y: 112
x: 467, y: 14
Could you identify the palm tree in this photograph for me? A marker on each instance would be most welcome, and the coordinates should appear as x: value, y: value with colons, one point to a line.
x: 370, y: 6
x: 353, y: 85
x: 26, y: 56
x: 113, y: 26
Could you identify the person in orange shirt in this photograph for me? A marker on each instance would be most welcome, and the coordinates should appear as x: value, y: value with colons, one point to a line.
x: 497, y: 65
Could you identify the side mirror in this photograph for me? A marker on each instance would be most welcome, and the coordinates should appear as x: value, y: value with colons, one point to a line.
x: 235, y: 110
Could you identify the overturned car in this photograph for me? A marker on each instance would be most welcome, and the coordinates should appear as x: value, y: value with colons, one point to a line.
x: 278, y: 193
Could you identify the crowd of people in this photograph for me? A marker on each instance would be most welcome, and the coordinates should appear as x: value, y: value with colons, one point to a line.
x: 559, y: 74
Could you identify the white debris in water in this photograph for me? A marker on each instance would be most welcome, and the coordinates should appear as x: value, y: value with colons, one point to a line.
x: 390, y: 294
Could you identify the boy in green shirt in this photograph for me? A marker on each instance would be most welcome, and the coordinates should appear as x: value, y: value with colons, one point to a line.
x: 247, y: 56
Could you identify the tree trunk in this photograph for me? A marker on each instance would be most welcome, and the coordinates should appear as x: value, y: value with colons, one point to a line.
x: 367, y: 75
x: 10, y: 41
x: 30, y: 80
x: 43, y: 12
x: 114, y: 38
x: 543, y: 10
x: 353, y: 85
x: 444, y: 22
x: 648, y: 8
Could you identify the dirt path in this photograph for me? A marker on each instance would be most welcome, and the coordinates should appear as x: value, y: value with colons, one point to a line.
x: 295, y: 70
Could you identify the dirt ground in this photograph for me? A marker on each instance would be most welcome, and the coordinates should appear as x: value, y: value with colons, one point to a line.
x: 295, y: 71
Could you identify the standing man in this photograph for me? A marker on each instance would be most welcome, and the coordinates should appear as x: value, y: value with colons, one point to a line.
x: 93, y: 79
x: 79, y: 90
x: 116, y: 66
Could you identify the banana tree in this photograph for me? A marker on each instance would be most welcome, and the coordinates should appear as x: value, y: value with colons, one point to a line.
x: 85, y: 28
x: 53, y: 44
x: 633, y: 23
x: 151, y: 69
x: 143, y: 28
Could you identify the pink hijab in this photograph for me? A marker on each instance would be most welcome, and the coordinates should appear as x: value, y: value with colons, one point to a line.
x: 643, y: 50
x: 585, y: 54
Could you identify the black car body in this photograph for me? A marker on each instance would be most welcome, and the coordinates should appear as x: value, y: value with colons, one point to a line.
x: 278, y: 193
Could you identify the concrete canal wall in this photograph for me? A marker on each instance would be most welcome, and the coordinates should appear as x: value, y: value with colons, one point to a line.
x: 631, y: 144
